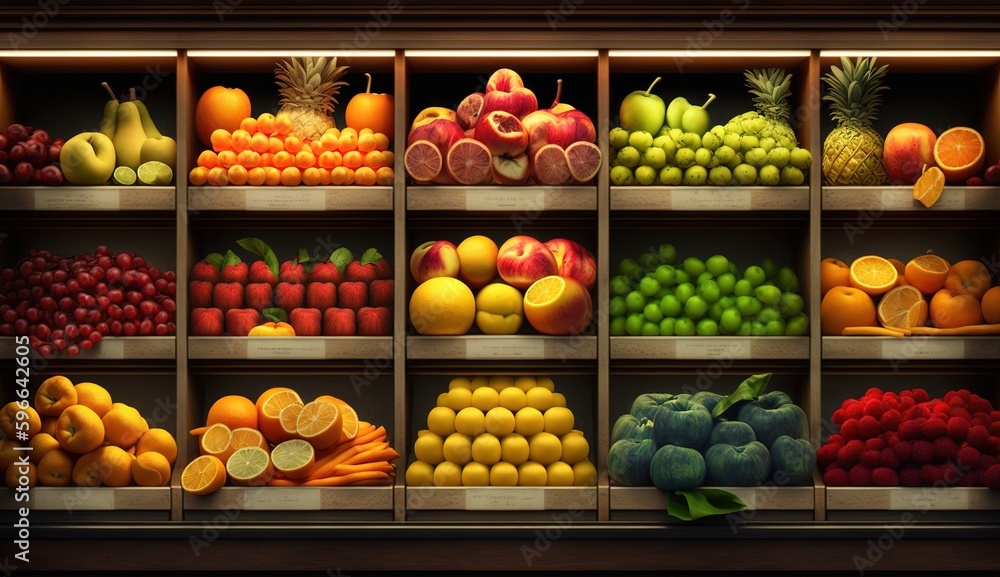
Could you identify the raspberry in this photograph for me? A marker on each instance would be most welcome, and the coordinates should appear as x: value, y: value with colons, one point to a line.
x: 910, y: 430
x: 950, y: 473
x: 956, y: 401
x: 970, y: 479
x: 850, y: 429
x: 839, y: 416
x: 919, y: 411
x: 847, y: 403
x: 978, y: 437
x: 995, y: 415
x: 855, y: 411
x: 983, y: 416
x: 940, y: 416
x: 994, y: 448
x: 859, y: 476
x: 991, y: 478
x: 874, y: 408
x: 836, y: 440
x: 885, y: 477
x: 994, y: 429
x: 875, y: 444
x: 987, y: 461
x: 930, y: 474
x: 869, y: 427
x: 957, y: 428
x: 905, y: 451
x: 923, y: 452
x: 850, y: 453
x: 945, y: 449
x: 874, y: 392
x: 826, y: 454
x: 909, y: 476
x: 905, y: 394
x: 870, y: 459
x: 891, y: 438
x: 906, y: 403
x: 964, y: 394
x: 835, y: 477
x: 979, y: 405
x: 888, y: 458
x: 933, y: 428
x: 890, y: 420
x: 961, y: 414
x: 920, y: 396
x: 968, y: 457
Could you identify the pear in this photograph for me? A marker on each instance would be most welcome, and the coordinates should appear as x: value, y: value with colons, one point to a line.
x: 696, y: 119
x: 129, y: 135
x: 678, y: 106
x: 156, y: 146
x: 110, y: 119
x: 148, y: 126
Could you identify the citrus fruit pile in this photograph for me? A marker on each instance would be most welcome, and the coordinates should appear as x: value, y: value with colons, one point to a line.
x: 78, y: 436
x: 928, y: 291
x: 501, y: 431
x: 283, y: 441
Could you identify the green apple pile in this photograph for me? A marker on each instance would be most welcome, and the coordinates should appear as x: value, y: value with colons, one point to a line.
x: 678, y: 145
x: 657, y: 294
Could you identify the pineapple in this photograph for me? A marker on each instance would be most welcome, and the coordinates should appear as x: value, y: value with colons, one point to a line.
x: 309, y: 87
x: 852, y: 153
x: 771, y: 89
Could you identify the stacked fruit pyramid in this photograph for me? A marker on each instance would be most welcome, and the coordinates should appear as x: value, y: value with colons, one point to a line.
x: 908, y: 439
x: 501, y: 431
x: 76, y: 435
x: 336, y: 296
x: 282, y: 441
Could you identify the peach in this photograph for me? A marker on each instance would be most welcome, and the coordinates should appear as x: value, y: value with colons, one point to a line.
x: 433, y: 259
x: 522, y: 260
x: 574, y: 261
x: 505, y: 91
x: 434, y: 113
x: 908, y: 147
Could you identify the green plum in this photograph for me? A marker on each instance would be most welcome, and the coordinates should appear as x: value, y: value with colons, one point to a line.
x: 694, y: 266
x: 703, y: 277
x: 650, y: 329
x: 671, y: 306
x: 684, y: 291
x: 756, y: 275
x: 711, y: 141
x: 654, y: 157
x: 627, y: 266
x: 731, y: 320
x: 748, y: 142
x: 748, y: 305
x: 703, y: 157
x: 768, y: 314
x: 758, y: 329
x: 667, y: 327
x: 743, y: 287
x: 621, y: 285
x: 725, y: 153
x: 648, y: 286
x: 732, y: 140
x: 681, y: 275
x: 775, y: 328
x: 652, y: 312
x: 797, y: 325
x: 684, y: 157
x: 709, y: 290
x: 696, y: 307
x: 629, y: 157
x: 792, y: 176
x: 717, y: 265
x: 720, y: 175
x: 727, y: 282
x: 665, y: 275
x: 707, y: 327
x: 617, y: 326
x: 692, y: 140
x: 770, y: 267
x: 744, y: 174
x: 800, y: 158
x: 755, y: 157
x: 790, y: 304
x: 649, y: 260
x: 617, y: 308
x: 684, y: 327
x: 635, y: 302
x: 778, y: 157
x: 767, y: 143
x: 769, y: 175
x: 786, y: 279
x: 768, y: 295
x: 633, y: 324
x: 745, y: 328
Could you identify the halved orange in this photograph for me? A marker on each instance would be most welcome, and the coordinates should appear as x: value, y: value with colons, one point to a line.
x: 927, y: 189
x: 320, y: 423
x: 289, y: 418
x: 960, y: 153
x: 250, y: 466
x: 873, y: 274
x: 900, y: 271
x: 927, y: 273
x: 903, y: 307
x: 245, y: 437
x: 215, y: 441
x: 269, y: 406
x: 206, y: 474
x: 351, y: 422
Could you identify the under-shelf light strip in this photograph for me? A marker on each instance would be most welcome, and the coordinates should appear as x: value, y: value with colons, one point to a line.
x: 708, y: 53
x: 502, y: 53
x: 88, y: 54
x: 912, y: 53
x: 287, y: 53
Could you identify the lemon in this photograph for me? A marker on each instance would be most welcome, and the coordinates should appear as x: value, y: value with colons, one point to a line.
x: 441, y: 420
x: 529, y: 421
x: 442, y: 400
x: 447, y: 474
x: 420, y: 474
x: 499, y: 309
x: 544, y: 448
x: 485, y: 398
x: 584, y: 474
x: 476, y: 475
x: 124, y: 175
x: 486, y: 449
x: 531, y: 474
x: 546, y: 383
x: 558, y: 400
x: 470, y: 421
x: 460, y: 382
x: 514, y: 449
x: 155, y: 173
x: 429, y: 448
x: 499, y: 421
x: 477, y: 382
x: 503, y: 475
x: 459, y: 398
x: 442, y: 306
x: 575, y: 447
x: 559, y: 474
x: 457, y: 449
x: 558, y: 421
x: 525, y: 383
x: 539, y: 398
x: 513, y: 399
x: 501, y: 383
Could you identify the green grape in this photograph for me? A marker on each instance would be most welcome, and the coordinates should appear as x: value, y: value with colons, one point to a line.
x: 692, y: 140
x: 671, y: 176
x: 744, y: 174
x: 629, y: 156
x: 732, y: 140
x: 703, y: 157
x: 621, y: 176
x: 792, y: 176
x: 769, y: 175
x: 767, y: 143
x: 756, y: 157
x: 654, y: 157
x: 725, y: 153
x: 748, y: 142
x: 695, y: 175
x: 684, y: 157
x: 778, y: 157
x: 640, y: 140
x: 645, y: 175
x: 711, y: 141
x: 720, y: 176
x: 618, y: 137
x: 800, y: 158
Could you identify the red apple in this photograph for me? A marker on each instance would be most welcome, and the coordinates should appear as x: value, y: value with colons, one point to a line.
x: 559, y: 124
x: 433, y: 259
x: 574, y: 261
x: 523, y: 260
x: 505, y: 91
x: 441, y: 131
x: 908, y: 147
x: 433, y: 113
x: 509, y: 170
x: 502, y: 133
x: 468, y: 110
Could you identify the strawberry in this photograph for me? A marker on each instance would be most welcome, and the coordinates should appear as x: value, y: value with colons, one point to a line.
x: 294, y: 270
x: 240, y: 321
x: 306, y: 322
x: 228, y: 295
x: 266, y: 269
x: 200, y: 293
x: 234, y: 269
x: 321, y: 295
x: 374, y: 322
x: 206, y: 322
x: 352, y: 295
x: 383, y: 270
x: 261, y: 273
x: 380, y: 293
x: 324, y: 271
x: 289, y: 296
x: 207, y: 269
x: 259, y: 295
x: 338, y: 322
x: 366, y: 269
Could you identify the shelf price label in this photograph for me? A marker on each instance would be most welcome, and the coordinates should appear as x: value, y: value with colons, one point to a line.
x: 77, y: 199
x: 282, y: 499
x: 923, y: 348
x: 285, y: 348
x: 929, y: 499
x: 112, y: 348
x: 505, y: 499
x: 709, y: 348
x: 515, y: 199
x: 505, y: 349
x: 710, y: 199
x: 895, y: 199
x: 271, y: 199
x: 75, y: 499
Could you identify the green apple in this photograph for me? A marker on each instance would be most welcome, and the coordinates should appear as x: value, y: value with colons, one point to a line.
x: 88, y: 159
x: 696, y: 119
x: 675, y: 112
x: 642, y: 110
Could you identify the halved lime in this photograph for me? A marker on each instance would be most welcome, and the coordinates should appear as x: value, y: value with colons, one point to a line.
x: 155, y: 173
x: 124, y: 175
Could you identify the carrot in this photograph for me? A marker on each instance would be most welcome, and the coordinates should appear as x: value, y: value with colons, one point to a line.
x: 378, y: 433
x: 325, y: 469
x: 970, y: 331
x: 372, y: 455
x: 871, y: 332
x: 346, y: 469
x: 198, y: 432
x: 346, y: 479
x: 369, y: 482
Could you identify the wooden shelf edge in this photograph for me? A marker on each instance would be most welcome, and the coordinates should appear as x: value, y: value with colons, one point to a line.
x: 513, y: 347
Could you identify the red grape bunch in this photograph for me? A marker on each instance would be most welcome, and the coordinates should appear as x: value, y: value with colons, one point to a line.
x: 29, y: 156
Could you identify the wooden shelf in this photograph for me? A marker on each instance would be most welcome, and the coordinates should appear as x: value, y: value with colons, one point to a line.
x: 501, y: 198
x: 496, y: 499
x: 69, y: 499
x: 512, y: 347
x: 755, y: 498
x: 88, y: 198
x: 289, y: 348
x: 292, y: 499
x: 912, y: 499
x: 911, y: 348
x: 899, y: 198
x: 739, y: 348
x: 288, y: 198
x: 710, y: 198
x: 116, y: 349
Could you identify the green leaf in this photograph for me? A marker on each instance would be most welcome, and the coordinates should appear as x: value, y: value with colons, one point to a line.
x: 371, y: 256
x: 215, y: 259
x: 276, y: 315
x: 303, y: 257
x: 231, y: 258
x: 748, y: 390
x: 698, y: 503
x: 341, y: 258
x: 261, y: 249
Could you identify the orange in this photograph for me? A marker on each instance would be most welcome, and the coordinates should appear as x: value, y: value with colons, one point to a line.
x: 873, y: 274
x: 903, y: 307
x: 17, y: 472
x: 558, y: 306
x: 205, y: 474
x: 55, y: 469
x: 250, y: 466
x: 208, y: 159
x: 320, y: 423
x: 198, y: 176
x: 900, y: 271
x: 55, y: 394
x: 991, y: 305
x: 94, y: 396
x: 234, y: 411
x: 215, y: 441
x: 289, y: 418
x: 927, y: 273
x: 846, y: 307
x: 85, y: 470
x: 968, y: 276
x: 12, y: 415
x: 833, y: 272
x: 151, y: 470
x: 927, y: 189
x: 40, y: 445
x: 245, y: 437
x: 80, y: 430
x: 370, y: 110
x: 123, y: 425
x: 157, y: 441
x: 49, y: 425
x: 960, y: 153
x: 442, y: 306
x: 8, y: 452
x: 351, y: 422
x: 114, y: 466
x: 477, y: 257
x: 269, y: 405
x: 220, y: 107
x: 294, y: 458
x: 951, y: 311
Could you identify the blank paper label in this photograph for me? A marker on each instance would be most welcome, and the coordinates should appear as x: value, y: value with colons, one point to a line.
x: 77, y: 199
x: 285, y: 348
x: 282, y: 499
x: 709, y: 348
x: 505, y: 349
x: 271, y: 199
x: 75, y: 499
x: 111, y: 348
x: 929, y: 499
x: 921, y: 348
x: 505, y: 499
x: 529, y: 199
x: 710, y: 199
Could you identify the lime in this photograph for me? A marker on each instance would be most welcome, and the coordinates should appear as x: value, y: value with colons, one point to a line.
x: 633, y: 324
x: 155, y: 173
x: 617, y: 326
x: 645, y: 175
x: 707, y: 327
x: 124, y: 175
x: 618, y: 137
x: 671, y: 176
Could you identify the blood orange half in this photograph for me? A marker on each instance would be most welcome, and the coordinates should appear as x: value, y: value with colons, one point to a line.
x: 423, y: 160
x: 584, y: 160
x: 550, y: 165
x: 468, y: 161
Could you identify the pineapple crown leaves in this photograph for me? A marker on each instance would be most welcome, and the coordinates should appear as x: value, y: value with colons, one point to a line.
x: 308, y: 81
x: 771, y: 89
x: 855, y: 91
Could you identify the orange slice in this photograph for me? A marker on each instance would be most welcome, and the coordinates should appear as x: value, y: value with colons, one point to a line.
x: 903, y: 307
x: 206, y: 474
x: 351, y: 422
x: 959, y: 152
x: 215, y: 441
x: 250, y: 466
x: 289, y: 418
x: 245, y: 437
x: 320, y: 423
x: 927, y: 272
x: 927, y: 189
x: 294, y: 458
x: 269, y: 406
x: 873, y: 274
